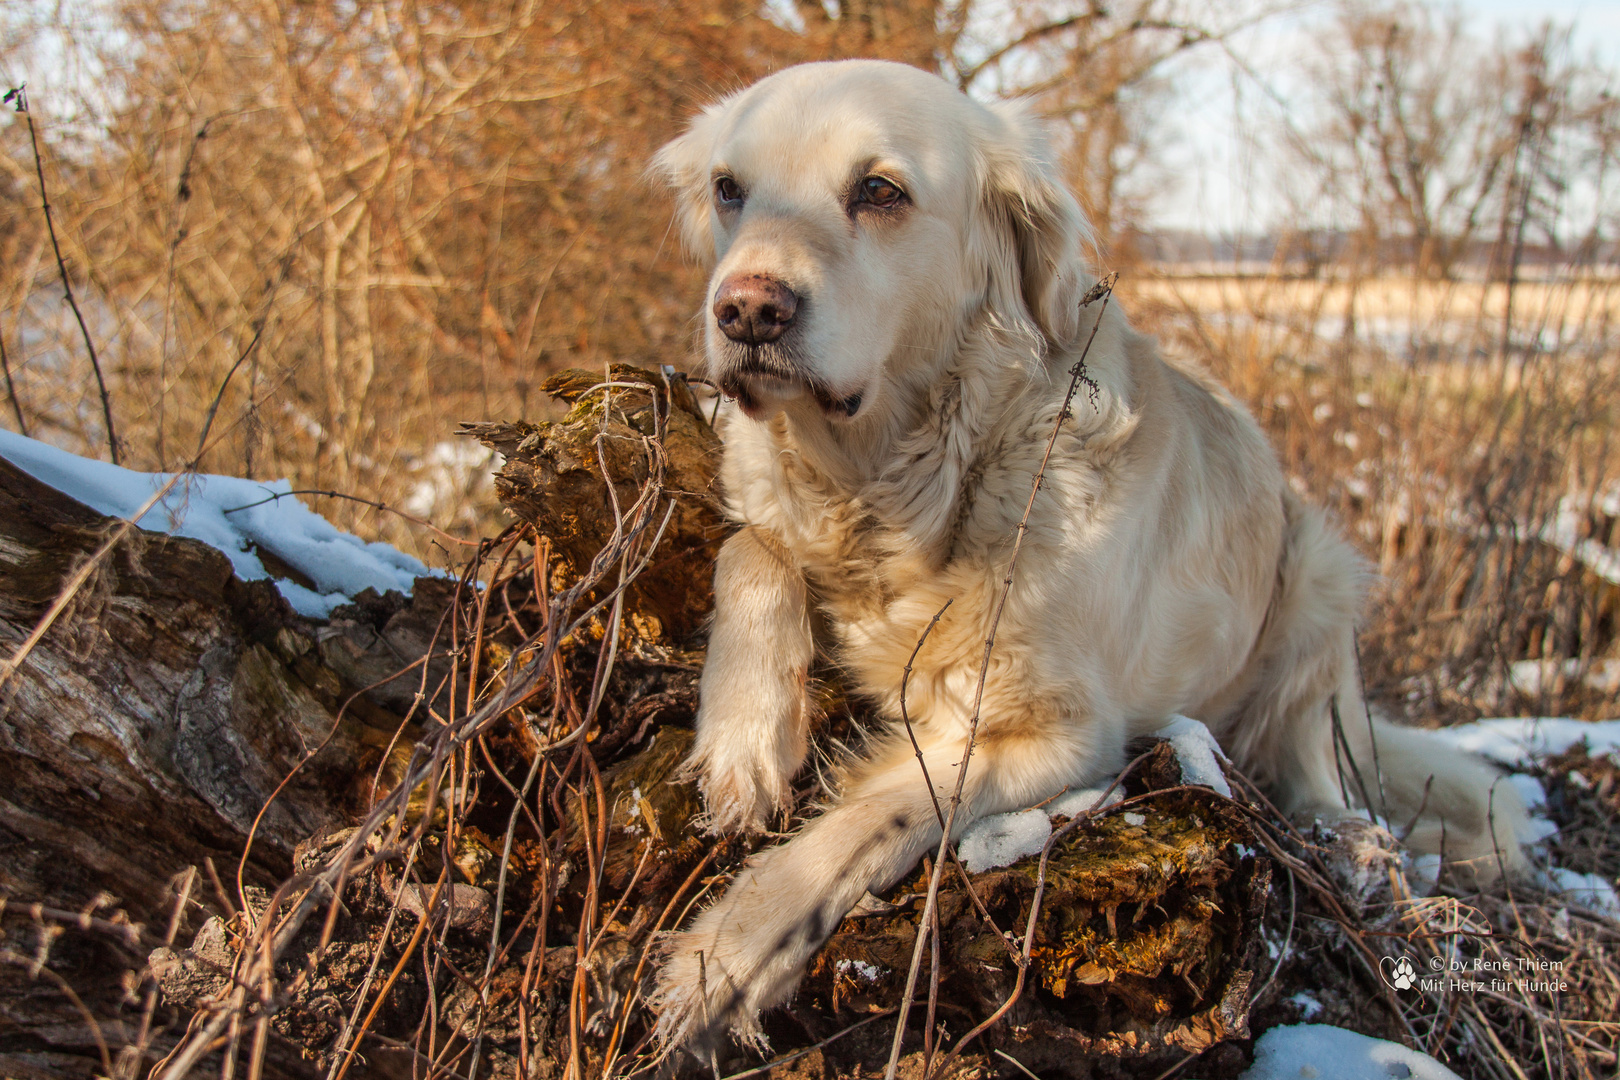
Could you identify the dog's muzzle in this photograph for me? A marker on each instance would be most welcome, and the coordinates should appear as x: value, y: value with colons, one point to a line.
x: 756, y: 313
x: 763, y: 371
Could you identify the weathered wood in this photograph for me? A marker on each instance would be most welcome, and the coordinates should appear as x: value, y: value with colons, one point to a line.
x: 150, y: 727
x: 553, y: 477
x: 144, y: 734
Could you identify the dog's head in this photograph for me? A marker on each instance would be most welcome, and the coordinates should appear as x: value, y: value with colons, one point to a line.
x: 858, y: 214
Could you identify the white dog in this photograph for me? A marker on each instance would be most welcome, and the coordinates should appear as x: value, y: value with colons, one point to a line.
x: 895, y: 306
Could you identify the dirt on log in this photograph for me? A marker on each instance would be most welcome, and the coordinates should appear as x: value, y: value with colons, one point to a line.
x: 509, y: 907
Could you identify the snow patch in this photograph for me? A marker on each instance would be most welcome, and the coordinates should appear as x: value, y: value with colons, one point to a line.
x: 1589, y: 891
x: 1519, y: 740
x: 238, y: 517
x: 859, y: 969
x: 1003, y: 839
x: 1531, y: 793
x: 1321, y: 1052
x: 1197, y: 752
x: 1536, y: 829
x: 1308, y: 1007
x: 1423, y: 875
x: 1565, y: 530
x: 1531, y: 677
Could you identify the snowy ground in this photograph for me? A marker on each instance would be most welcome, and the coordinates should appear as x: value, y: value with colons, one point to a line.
x: 1320, y: 1052
x: 239, y: 517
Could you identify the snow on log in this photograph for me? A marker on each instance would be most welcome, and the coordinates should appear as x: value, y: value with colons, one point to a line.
x: 262, y: 527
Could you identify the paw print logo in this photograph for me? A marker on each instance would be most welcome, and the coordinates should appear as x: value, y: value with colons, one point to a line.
x: 1398, y: 972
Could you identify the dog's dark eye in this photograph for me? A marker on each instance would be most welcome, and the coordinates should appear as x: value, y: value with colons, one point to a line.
x: 876, y: 191
x: 727, y: 192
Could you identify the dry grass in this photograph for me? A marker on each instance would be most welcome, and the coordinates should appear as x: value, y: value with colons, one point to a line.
x: 1387, y: 304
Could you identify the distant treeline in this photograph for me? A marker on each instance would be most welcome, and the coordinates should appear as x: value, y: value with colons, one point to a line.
x: 1316, y: 251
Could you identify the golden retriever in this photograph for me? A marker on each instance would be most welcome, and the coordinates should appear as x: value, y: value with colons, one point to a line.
x: 895, y: 306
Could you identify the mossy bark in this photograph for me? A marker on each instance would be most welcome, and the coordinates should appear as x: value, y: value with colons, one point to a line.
x: 1146, y: 942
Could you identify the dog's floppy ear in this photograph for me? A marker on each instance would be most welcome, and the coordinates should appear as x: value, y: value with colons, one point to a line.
x: 682, y: 165
x: 1025, y: 196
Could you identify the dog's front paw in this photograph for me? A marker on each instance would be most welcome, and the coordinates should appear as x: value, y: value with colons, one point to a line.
x: 741, y: 793
x: 739, y: 801
x: 744, y: 954
x: 697, y: 999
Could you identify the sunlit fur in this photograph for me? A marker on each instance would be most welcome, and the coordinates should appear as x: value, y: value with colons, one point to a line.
x: 1167, y: 566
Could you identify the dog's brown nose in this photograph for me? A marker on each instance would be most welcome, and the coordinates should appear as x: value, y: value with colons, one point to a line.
x: 754, y: 308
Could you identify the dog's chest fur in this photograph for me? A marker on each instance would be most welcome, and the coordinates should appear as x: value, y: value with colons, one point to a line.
x: 877, y: 574
x: 856, y: 565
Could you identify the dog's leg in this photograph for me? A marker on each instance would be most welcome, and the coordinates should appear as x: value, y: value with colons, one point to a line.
x: 753, y: 714
x: 747, y: 951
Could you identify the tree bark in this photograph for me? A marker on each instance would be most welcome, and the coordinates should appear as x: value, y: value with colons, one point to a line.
x: 143, y: 735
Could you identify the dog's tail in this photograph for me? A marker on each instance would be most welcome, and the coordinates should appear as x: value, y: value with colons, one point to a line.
x: 1305, y: 732
x: 1441, y: 800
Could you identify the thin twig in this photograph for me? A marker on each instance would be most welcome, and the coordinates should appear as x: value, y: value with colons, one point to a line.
x: 1019, y: 1065
x: 905, y: 716
x: 20, y: 96
x: 11, y: 387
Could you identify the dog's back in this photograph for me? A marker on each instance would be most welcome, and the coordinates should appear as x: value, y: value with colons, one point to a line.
x: 1293, y: 717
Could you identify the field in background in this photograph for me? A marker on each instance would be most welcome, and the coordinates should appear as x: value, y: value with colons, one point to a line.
x: 1395, y: 308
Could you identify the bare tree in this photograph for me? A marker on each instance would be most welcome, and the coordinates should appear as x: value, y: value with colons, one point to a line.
x: 1412, y: 131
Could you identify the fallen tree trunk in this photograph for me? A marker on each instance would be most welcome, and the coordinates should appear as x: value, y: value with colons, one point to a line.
x: 146, y: 734
x: 149, y: 729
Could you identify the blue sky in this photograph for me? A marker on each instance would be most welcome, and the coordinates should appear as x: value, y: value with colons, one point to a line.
x: 1598, y: 21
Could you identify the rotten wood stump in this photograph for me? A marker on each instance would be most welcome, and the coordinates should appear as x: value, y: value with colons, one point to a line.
x: 555, y: 476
